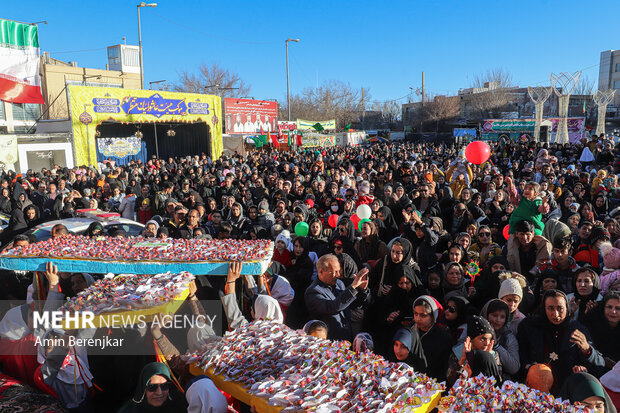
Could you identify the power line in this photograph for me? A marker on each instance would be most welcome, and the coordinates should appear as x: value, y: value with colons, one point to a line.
x: 80, y: 51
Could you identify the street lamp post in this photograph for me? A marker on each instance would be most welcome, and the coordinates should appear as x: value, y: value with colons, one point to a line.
x: 288, y: 87
x: 142, y: 4
x: 154, y: 83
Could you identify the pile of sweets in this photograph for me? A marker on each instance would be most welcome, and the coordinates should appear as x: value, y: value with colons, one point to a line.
x: 126, y: 292
x: 479, y: 394
x: 141, y: 249
x: 303, y: 373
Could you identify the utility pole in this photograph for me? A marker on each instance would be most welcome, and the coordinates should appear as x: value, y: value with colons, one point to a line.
x: 423, y: 89
x: 363, y: 108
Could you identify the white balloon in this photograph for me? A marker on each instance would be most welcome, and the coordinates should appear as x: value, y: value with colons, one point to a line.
x: 363, y: 211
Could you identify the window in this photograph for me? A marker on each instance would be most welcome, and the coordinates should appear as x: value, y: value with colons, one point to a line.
x: 26, y: 111
x: 2, y: 111
x: 131, y: 57
x: 113, y: 56
x: 617, y: 67
x: 617, y: 84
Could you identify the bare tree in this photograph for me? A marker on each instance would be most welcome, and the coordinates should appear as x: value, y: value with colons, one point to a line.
x: 439, y: 109
x: 390, y: 111
x: 491, y: 92
x: 584, y: 87
x: 222, y: 82
x: 332, y: 100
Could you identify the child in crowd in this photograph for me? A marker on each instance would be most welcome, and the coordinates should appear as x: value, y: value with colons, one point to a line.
x: 529, y: 205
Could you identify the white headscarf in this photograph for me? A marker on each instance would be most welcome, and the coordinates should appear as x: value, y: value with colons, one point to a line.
x: 285, y: 237
x: 363, y: 340
x: 282, y: 291
x: 197, y: 337
x: 13, y: 326
x: 267, y: 308
x: 611, y: 379
x: 70, y: 371
x: 203, y: 397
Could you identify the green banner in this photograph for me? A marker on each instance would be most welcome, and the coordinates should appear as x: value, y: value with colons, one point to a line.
x: 310, y: 124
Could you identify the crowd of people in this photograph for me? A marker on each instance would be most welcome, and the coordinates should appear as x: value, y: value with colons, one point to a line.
x: 539, y: 222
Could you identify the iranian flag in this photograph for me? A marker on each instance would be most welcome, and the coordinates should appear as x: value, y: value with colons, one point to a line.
x: 19, y: 63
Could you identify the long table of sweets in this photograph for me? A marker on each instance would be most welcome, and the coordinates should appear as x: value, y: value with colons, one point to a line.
x: 261, y: 405
x: 140, y: 256
x: 118, y: 267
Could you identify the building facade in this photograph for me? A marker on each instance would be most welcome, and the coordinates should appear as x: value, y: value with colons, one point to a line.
x: 609, y: 71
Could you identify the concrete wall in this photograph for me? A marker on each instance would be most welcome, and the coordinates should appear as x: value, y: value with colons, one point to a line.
x: 55, y: 75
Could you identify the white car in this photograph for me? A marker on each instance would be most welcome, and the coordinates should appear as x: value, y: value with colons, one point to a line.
x: 80, y: 224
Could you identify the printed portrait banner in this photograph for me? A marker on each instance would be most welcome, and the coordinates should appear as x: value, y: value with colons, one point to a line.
x: 247, y: 116
x: 89, y: 106
x: 8, y: 151
x: 309, y: 124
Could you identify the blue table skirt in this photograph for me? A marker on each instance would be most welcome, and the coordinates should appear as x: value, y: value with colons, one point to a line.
x: 115, y: 267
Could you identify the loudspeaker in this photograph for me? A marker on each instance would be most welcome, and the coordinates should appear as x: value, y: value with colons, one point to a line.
x: 544, y: 133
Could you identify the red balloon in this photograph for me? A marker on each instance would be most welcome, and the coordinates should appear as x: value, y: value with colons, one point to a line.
x: 477, y: 152
x: 506, y: 232
x: 356, y: 220
x: 333, y: 220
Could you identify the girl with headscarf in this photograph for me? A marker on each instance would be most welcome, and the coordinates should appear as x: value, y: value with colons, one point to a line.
x: 389, y: 230
x: 407, y: 350
x: 396, y: 309
x: 155, y: 392
x: 583, y: 389
x: 276, y: 285
x: 283, y: 252
x: 480, y: 337
x: 486, y: 283
x: 456, y: 312
x: 264, y: 307
x: 318, y: 241
x: 236, y: 220
x: 204, y: 397
x: 604, y: 324
x: 65, y: 370
x: 370, y: 248
x: 18, y: 344
x: 601, y: 206
x: 95, y: 229
x: 586, y: 292
x: 362, y: 343
x: 391, y: 268
x: 316, y: 328
x: 454, y: 280
x: 17, y: 225
x: 299, y: 275
x: 506, y: 346
x: 32, y: 216
x: 5, y: 201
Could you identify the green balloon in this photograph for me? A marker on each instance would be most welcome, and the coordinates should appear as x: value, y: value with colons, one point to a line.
x: 359, y: 225
x: 302, y: 229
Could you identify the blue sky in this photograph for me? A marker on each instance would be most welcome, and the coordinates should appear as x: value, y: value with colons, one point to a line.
x: 381, y: 45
